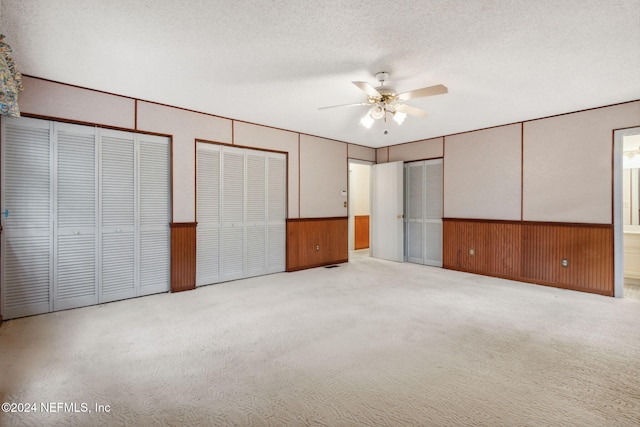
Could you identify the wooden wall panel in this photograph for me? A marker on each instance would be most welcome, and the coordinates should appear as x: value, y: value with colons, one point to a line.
x: 533, y: 252
x: 588, y: 249
x: 361, y: 232
x: 328, y: 235
x: 496, y: 247
x: 183, y: 256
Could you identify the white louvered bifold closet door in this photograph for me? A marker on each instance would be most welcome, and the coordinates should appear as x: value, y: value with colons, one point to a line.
x: 233, y: 222
x: 414, y: 217
x: 433, y: 212
x: 423, y: 212
x: 207, y: 214
x: 27, y: 240
x: 155, y: 214
x: 256, y: 203
x: 118, y: 203
x: 240, y: 211
x: 277, y: 212
x: 89, y: 212
x: 75, y: 201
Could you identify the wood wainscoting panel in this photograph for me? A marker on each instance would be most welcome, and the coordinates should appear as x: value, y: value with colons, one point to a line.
x: 361, y: 232
x: 588, y: 250
x: 533, y: 252
x: 183, y: 256
x: 314, y: 242
x: 491, y: 247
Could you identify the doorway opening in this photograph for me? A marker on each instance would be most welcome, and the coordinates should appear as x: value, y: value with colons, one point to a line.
x: 627, y: 213
x: 359, y: 206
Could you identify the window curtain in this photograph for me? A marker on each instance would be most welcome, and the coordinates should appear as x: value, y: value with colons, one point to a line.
x: 10, y: 82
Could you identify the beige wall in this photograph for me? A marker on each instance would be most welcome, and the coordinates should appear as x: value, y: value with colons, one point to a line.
x: 568, y: 164
x: 321, y: 166
x: 45, y: 98
x: 567, y: 159
x: 324, y: 163
x: 418, y: 150
x: 556, y: 169
x: 382, y: 155
x: 361, y: 153
x: 186, y: 127
x: 482, y: 171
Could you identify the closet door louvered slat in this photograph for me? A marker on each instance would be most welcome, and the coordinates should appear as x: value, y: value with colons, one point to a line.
x: 75, y: 203
x: 154, y: 190
x: 118, y: 216
x: 207, y: 214
x: 27, y: 241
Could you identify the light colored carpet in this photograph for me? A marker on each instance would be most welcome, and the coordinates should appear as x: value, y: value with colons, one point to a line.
x: 371, y: 343
x: 631, y: 290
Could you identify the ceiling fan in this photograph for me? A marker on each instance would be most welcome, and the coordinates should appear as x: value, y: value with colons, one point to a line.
x: 384, y: 100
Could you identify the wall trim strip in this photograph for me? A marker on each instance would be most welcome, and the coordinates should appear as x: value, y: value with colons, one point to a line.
x: 507, y: 221
x: 330, y: 218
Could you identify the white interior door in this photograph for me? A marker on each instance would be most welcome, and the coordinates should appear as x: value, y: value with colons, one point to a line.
x: 75, y: 202
x: 277, y: 212
x: 387, y: 207
x: 88, y: 214
x: 208, y: 203
x: 27, y: 239
x: 118, y: 206
x: 414, y: 221
x: 256, y: 214
x: 433, y: 212
x: 154, y: 214
x: 423, y: 222
x: 241, y: 213
x: 233, y: 213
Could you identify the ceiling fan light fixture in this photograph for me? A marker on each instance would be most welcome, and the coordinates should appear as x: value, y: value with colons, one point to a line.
x: 399, y: 117
x: 384, y: 99
x: 367, y: 121
x: 377, y: 112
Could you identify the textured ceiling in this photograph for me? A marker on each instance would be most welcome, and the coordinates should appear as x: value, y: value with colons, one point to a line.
x: 275, y: 62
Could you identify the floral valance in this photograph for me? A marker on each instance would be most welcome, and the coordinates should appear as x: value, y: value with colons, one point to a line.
x: 10, y: 82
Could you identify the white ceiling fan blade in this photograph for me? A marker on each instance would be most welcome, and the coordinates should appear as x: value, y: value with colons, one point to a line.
x: 368, y: 89
x: 412, y: 111
x: 345, y: 105
x: 425, y: 91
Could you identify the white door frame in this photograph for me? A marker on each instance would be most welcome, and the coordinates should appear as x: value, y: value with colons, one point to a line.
x: 618, y: 238
x: 350, y: 200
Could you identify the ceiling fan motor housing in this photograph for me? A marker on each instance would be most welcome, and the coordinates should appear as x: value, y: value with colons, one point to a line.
x: 382, y: 76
